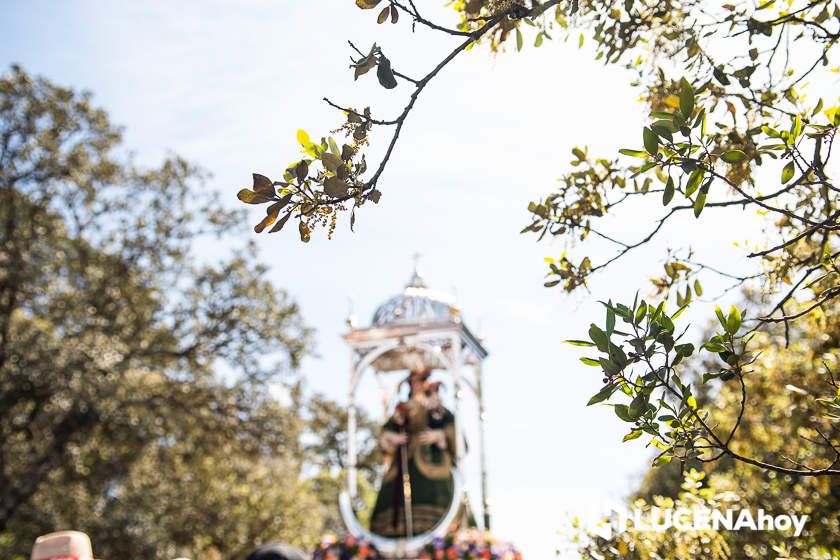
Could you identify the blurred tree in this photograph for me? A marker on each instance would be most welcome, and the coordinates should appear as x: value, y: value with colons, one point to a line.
x: 632, y: 544
x: 732, y: 125
x: 134, y: 379
x: 325, y: 446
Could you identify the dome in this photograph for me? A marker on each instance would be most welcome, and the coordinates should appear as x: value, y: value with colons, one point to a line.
x: 416, y: 305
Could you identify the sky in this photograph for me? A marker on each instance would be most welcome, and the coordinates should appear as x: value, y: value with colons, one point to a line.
x: 227, y: 84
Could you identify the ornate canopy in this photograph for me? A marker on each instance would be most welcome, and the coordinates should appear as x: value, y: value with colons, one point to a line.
x: 417, y: 329
x: 418, y: 314
x: 417, y: 304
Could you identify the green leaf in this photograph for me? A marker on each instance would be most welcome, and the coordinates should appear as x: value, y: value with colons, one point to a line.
x: 590, y: 361
x: 578, y: 342
x: 609, y: 366
x: 713, y: 347
x: 686, y: 99
x: 684, y: 350
x: 634, y: 434
x: 691, y: 402
x: 622, y: 412
x: 733, y: 322
x: 694, y: 181
x: 661, y: 460
x: 599, y: 337
x: 640, y: 313
x: 668, y: 195
x: 734, y: 156
x: 602, y: 395
x: 385, y: 74
x: 651, y: 141
x: 519, y: 39
x: 698, y: 288
x: 633, y: 153
x: 787, y: 172
x: 721, y: 318
x: 638, y: 406
x: 333, y: 146
x: 610, y: 321
x: 795, y: 128
x: 699, y: 203
x: 679, y: 311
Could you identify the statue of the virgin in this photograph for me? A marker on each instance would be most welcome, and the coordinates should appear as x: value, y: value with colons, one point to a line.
x: 419, y: 443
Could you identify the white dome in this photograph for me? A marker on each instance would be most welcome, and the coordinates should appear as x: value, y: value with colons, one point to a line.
x: 416, y: 305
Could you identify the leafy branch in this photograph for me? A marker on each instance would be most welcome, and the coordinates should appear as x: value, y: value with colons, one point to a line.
x: 315, y: 188
x: 642, y: 365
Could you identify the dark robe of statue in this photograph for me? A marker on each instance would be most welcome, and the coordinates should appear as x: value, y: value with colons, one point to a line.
x: 429, y: 449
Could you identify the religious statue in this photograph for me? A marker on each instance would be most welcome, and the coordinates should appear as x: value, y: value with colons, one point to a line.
x: 422, y: 497
x: 419, y: 441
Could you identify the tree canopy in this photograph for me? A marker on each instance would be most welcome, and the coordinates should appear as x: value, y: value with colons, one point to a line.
x: 136, y: 378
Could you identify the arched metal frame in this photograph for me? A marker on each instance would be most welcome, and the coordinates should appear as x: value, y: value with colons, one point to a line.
x: 365, y: 353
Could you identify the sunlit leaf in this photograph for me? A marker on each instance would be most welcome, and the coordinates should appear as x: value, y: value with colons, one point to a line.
x: 250, y: 197
x: 633, y: 153
x: 733, y: 322
x: 303, y: 138
x: 634, y: 434
x: 787, y: 172
x: 733, y: 156
x: 694, y: 181
x: 602, y: 395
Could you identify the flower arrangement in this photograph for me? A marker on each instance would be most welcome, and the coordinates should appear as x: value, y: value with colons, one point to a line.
x: 469, y: 544
x: 347, y: 548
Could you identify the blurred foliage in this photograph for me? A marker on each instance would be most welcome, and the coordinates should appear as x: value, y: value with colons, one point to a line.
x: 633, y: 544
x: 136, y: 378
x: 785, y: 407
x: 325, y: 448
